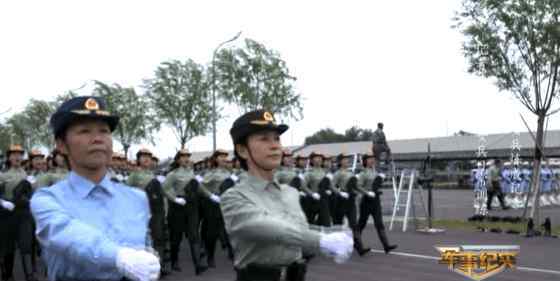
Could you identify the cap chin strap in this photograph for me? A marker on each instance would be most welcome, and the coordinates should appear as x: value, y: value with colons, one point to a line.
x: 255, y: 162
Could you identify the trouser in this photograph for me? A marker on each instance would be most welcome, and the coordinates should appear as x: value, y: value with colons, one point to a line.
x: 372, y: 207
x: 159, y: 236
x: 346, y: 208
x: 212, y: 227
x: 495, y: 191
x: 253, y: 272
x: 177, y: 220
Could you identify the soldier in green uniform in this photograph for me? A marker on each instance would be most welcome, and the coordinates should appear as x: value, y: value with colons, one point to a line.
x: 58, y: 172
x: 15, y: 219
x: 145, y: 180
x: 183, y: 217
x: 347, y: 183
x: 370, y: 205
x: 318, y: 211
x: 36, y: 158
x: 212, y: 220
x: 267, y: 227
x: 287, y: 171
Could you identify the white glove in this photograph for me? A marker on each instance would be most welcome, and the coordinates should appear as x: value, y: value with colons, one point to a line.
x: 315, y: 195
x: 120, y: 178
x: 138, y: 265
x: 234, y: 178
x: 199, y: 179
x: 371, y: 194
x: 328, y: 192
x: 301, y: 193
x: 338, y: 245
x: 7, y: 205
x: 215, y: 198
x: 30, y: 179
x: 382, y: 175
x: 180, y: 201
x: 344, y: 194
x: 330, y: 176
x: 300, y: 175
x: 160, y: 178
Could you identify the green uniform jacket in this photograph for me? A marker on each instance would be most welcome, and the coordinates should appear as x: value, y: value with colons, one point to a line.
x: 212, y: 181
x: 265, y: 223
x: 341, y: 178
x: 140, y: 179
x: 284, y: 175
x: 10, y: 179
x: 50, y: 178
x: 175, y: 182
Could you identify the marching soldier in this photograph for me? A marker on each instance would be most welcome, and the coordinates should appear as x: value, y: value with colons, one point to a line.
x: 370, y: 205
x: 212, y: 221
x: 183, y: 217
x: 89, y: 227
x: 287, y: 171
x: 318, y: 210
x: 145, y: 180
x: 15, y: 219
x: 346, y: 206
x: 267, y: 227
x: 58, y: 172
x: 36, y: 158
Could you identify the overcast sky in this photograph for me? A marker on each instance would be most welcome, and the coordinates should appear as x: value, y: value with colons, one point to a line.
x: 356, y: 62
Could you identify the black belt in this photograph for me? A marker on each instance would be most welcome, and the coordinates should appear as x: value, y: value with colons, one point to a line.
x: 255, y: 272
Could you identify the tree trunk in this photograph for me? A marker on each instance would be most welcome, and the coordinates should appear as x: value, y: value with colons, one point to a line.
x: 535, y: 184
x: 126, y: 147
x: 183, y: 142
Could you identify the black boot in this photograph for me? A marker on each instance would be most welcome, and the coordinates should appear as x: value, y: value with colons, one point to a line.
x: 8, y: 267
x: 383, y: 238
x: 165, y: 270
x: 28, y: 267
x: 359, y: 245
x: 199, y: 265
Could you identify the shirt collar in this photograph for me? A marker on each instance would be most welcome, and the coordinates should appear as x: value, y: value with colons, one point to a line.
x: 83, y: 186
x: 260, y: 184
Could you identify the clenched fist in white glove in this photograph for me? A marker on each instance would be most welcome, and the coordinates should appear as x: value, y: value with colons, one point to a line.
x: 315, y: 195
x: 329, y: 176
x: 199, y: 179
x: 138, y: 265
x: 234, y: 178
x: 301, y: 193
x: 344, y: 194
x: 180, y: 201
x: 31, y: 179
x: 371, y: 194
x: 160, y: 178
x: 215, y: 198
x: 328, y: 192
x: 300, y: 176
x: 338, y: 245
x: 7, y: 205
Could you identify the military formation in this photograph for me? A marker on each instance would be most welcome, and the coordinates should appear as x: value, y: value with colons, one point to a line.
x: 508, y: 186
x: 184, y: 199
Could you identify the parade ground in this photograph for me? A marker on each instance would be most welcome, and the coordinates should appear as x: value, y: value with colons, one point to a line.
x: 416, y: 258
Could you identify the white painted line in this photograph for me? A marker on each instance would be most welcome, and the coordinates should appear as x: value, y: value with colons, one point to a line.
x: 523, y: 268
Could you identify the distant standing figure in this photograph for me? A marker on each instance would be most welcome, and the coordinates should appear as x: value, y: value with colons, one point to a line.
x: 380, y: 148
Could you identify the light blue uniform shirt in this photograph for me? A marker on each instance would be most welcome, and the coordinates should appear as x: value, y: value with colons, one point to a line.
x: 81, y: 225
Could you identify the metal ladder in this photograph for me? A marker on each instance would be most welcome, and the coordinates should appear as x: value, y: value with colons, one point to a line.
x: 409, y: 204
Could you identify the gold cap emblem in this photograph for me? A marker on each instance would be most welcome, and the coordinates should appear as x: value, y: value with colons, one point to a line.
x: 91, y: 104
x: 268, y: 117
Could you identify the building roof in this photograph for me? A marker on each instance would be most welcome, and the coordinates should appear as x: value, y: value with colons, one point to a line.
x: 465, y: 146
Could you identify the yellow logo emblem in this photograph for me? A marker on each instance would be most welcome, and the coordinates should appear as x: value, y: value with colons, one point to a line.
x: 91, y: 104
x: 478, y: 262
x: 268, y: 117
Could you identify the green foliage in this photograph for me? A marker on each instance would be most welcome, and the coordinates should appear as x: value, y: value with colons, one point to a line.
x: 515, y: 42
x: 179, y: 95
x: 137, y: 120
x: 328, y: 135
x: 256, y: 77
x: 30, y: 127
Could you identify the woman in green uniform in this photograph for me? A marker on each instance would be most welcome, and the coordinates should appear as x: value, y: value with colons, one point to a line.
x: 370, y: 205
x: 266, y: 225
x: 15, y: 218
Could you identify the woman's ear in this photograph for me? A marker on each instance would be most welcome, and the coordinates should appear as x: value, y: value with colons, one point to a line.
x: 242, y: 151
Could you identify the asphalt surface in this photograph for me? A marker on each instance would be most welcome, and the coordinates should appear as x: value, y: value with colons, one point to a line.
x: 416, y: 258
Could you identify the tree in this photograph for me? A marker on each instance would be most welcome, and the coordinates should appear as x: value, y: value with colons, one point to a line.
x: 30, y: 127
x: 136, y: 119
x: 327, y: 135
x: 179, y: 94
x: 256, y: 77
x: 517, y: 44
